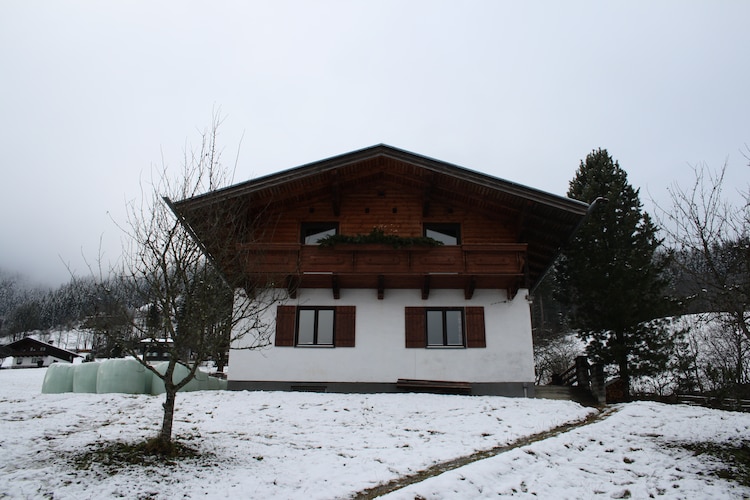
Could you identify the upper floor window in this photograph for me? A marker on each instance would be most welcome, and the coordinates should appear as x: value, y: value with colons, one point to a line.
x: 312, y: 232
x: 447, y: 233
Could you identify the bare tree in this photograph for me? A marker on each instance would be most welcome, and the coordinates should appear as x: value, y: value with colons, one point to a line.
x: 712, y: 355
x: 710, y: 236
x: 186, y: 305
x: 554, y: 356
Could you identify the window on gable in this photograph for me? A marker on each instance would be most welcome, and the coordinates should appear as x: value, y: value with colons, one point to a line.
x: 315, y: 326
x: 313, y: 232
x: 448, y: 233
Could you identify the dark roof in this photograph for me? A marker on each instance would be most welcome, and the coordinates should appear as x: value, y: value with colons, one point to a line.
x: 547, y: 220
x: 28, y: 346
x: 381, y: 150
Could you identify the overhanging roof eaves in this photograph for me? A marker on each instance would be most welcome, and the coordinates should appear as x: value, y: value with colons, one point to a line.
x: 546, y: 221
x: 335, y: 162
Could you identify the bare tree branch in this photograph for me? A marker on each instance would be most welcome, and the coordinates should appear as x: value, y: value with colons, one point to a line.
x: 185, y: 305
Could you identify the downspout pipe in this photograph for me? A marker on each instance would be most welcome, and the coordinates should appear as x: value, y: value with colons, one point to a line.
x: 593, y: 206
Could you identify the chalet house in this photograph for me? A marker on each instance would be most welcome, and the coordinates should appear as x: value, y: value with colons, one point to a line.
x: 153, y: 350
x: 32, y: 353
x: 391, y: 271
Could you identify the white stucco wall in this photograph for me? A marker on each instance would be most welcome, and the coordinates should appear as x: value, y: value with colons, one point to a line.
x: 380, y: 354
x: 33, y: 361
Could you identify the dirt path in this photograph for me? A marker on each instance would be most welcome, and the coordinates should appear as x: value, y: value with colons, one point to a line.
x: 438, y: 469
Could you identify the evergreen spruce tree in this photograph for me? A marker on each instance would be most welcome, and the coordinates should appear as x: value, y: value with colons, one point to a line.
x: 611, y: 276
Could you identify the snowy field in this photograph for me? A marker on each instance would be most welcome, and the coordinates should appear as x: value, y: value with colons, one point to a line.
x: 304, y: 445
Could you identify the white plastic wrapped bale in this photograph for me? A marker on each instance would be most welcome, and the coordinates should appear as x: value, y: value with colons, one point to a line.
x: 213, y: 384
x: 199, y: 383
x: 84, y: 377
x: 149, y: 380
x: 122, y: 375
x: 216, y: 384
x: 58, y: 379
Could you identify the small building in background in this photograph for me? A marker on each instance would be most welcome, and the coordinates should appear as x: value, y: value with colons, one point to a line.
x: 32, y: 353
x: 156, y: 349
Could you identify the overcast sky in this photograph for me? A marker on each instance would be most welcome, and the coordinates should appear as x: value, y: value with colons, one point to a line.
x: 92, y: 94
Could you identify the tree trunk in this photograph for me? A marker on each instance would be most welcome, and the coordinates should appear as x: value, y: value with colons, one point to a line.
x: 166, y: 426
x: 740, y: 368
x: 741, y: 323
x: 622, y: 363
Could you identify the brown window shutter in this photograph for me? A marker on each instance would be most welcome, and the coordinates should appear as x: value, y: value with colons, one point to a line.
x: 285, y: 318
x: 415, y: 327
x: 345, y: 322
x: 475, y: 336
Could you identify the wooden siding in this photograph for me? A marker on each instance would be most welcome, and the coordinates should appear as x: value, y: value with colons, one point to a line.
x: 393, y: 209
x: 383, y: 259
x: 391, y: 190
x: 489, y: 256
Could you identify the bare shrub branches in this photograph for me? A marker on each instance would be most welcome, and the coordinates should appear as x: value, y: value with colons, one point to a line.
x: 710, y: 238
x: 185, y: 305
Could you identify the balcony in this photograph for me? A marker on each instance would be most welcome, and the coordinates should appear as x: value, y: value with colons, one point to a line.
x: 380, y: 266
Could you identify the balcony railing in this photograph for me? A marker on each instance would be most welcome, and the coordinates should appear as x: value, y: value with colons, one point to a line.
x: 505, y: 259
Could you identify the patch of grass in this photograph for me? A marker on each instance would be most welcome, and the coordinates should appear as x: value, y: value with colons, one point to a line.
x: 114, y: 455
x: 736, y: 459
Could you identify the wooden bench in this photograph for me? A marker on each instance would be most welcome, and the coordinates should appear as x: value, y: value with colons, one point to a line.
x: 437, y: 386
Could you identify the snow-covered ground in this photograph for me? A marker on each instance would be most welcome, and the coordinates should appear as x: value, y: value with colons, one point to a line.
x: 304, y: 445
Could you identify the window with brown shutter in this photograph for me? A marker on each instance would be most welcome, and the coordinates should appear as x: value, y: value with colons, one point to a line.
x: 475, y: 335
x: 445, y: 327
x: 415, y: 327
x: 315, y: 326
x: 345, y: 323
x: 285, y: 319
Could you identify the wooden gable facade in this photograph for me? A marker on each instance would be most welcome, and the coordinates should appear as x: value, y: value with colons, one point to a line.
x: 499, y: 238
x: 509, y: 234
